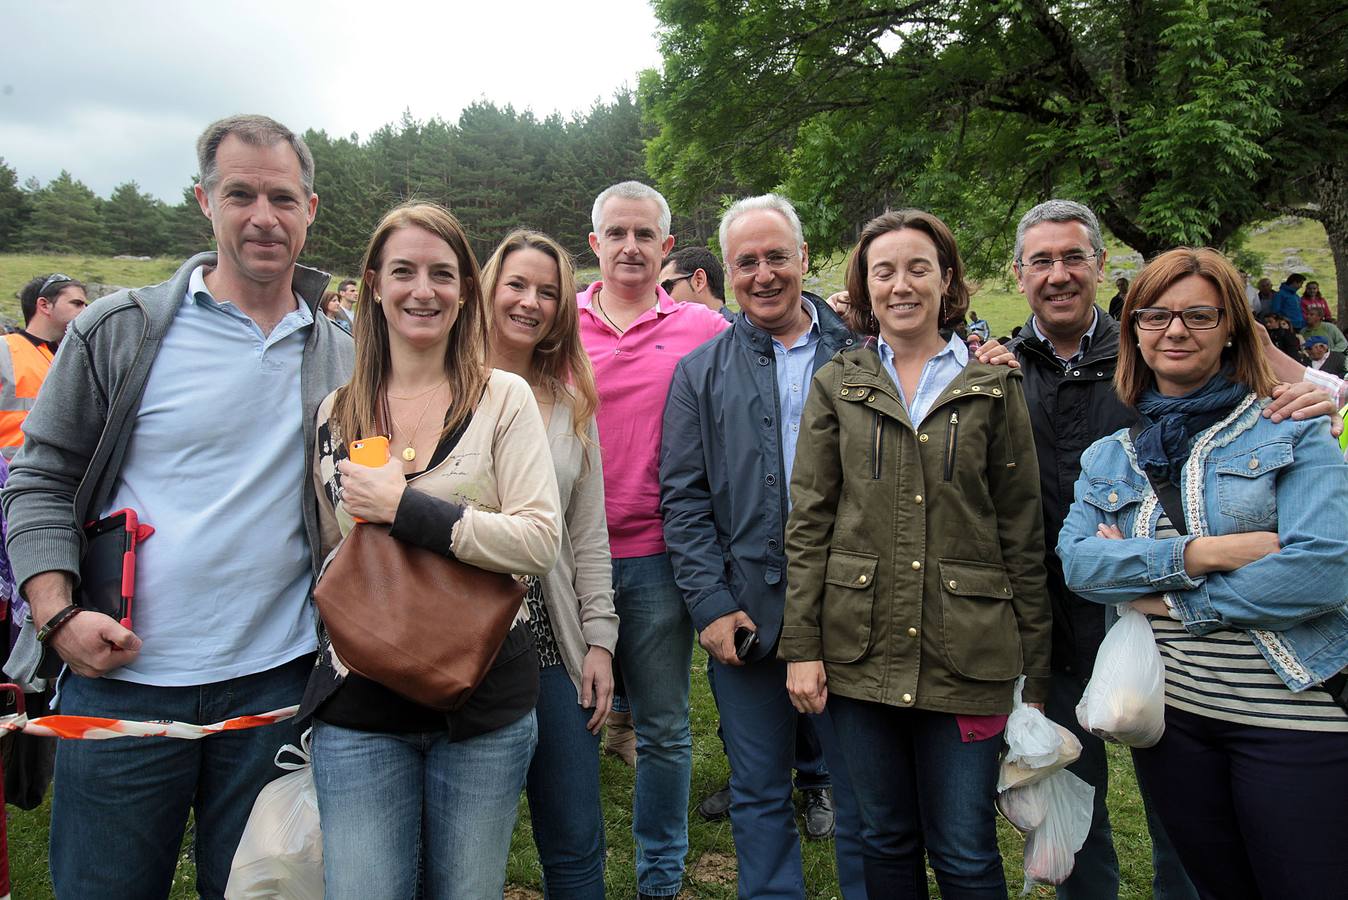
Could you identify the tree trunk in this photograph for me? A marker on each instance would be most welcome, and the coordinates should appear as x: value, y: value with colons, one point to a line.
x: 1330, y: 186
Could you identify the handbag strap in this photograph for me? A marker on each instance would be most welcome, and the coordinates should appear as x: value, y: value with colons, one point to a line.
x: 1166, y: 492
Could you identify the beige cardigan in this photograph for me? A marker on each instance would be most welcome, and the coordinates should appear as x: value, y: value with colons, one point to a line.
x: 500, y: 470
x: 579, y: 589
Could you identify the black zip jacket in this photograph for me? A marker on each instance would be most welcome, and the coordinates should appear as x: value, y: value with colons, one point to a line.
x: 1071, y: 407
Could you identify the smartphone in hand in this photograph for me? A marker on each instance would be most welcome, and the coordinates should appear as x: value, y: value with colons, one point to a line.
x: 745, y: 641
x: 371, y: 451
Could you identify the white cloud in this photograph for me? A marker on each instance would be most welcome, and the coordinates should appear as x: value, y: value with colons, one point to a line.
x: 119, y: 91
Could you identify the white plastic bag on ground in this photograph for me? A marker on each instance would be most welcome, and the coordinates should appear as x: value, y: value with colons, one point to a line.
x: 280, y: 856
x: 1036, y: 746
x: 1051, y: 848
x: 1125, y: 699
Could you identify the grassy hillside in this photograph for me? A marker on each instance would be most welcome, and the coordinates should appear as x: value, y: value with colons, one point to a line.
x: 1286, y: 245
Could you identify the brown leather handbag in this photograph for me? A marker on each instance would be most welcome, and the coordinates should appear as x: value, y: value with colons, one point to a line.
x: 421, y: 624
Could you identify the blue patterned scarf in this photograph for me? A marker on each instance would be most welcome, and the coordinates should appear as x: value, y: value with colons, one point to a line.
x: 1172, y: 423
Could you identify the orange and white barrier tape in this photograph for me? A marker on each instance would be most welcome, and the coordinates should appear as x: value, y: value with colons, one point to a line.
x: 94, y: 728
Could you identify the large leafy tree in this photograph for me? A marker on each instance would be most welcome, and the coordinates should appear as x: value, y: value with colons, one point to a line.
x: 186, y: 231
x: 133, y: 221
x: 66, y: 217
x: 1176, y: 120
x: 14, y: 207
x: 351, y: 198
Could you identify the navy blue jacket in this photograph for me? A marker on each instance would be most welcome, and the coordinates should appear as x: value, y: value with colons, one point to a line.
x: 722, y: 489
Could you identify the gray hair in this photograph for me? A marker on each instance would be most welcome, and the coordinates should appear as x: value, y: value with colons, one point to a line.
x: 775, y: 202
x: 631, y: 190
x: 1059, y: 211
x: 255, y: 131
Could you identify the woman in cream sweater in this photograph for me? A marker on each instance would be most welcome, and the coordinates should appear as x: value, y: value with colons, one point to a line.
x: 403, y: 788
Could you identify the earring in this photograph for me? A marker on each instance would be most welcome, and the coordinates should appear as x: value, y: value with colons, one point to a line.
x: 1228, y: 343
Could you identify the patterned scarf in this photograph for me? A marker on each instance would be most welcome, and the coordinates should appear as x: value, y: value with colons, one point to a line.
x: 1172, y: 423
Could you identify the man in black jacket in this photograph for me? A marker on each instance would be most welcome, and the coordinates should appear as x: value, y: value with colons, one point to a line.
x: 1067, y: 351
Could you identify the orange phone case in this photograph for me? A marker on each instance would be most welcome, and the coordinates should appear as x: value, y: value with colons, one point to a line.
x: 372, y: 451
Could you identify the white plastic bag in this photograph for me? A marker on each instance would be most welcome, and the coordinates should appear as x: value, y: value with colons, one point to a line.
x: 1036, y: 746
x: 1125, y: 699
x: 1051, y: 848
x: 280, y: 855
x: 1024, y: 807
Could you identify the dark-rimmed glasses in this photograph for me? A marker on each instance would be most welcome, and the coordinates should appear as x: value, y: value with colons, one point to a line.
x: 1076, y: 262
x: 1195, y: 318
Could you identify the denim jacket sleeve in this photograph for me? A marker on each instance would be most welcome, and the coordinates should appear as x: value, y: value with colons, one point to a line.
x: 1107, y: 570
x: 1309, y: 575
x: 685, y: 499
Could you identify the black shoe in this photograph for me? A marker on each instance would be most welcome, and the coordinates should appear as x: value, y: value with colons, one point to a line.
x: 716, y: 805
x: 818, y: 814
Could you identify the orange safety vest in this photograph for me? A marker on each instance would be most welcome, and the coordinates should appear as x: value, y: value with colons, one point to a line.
x: 23, y: 368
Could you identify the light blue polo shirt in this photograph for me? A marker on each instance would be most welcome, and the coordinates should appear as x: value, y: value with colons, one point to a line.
x: 216, y: 463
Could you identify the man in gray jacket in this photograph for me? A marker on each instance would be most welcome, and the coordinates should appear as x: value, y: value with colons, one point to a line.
x: 193, y: 403
x: 730, y: 429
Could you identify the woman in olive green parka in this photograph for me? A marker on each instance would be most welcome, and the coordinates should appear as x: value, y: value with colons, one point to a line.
x: 915, y: 576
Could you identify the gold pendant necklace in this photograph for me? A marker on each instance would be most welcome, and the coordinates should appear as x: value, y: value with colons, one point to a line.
x: 409, y: 452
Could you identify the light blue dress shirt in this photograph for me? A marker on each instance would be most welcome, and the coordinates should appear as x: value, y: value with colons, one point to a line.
x: 795, y: 369
x: 938, y: 372
x: 216, y: 463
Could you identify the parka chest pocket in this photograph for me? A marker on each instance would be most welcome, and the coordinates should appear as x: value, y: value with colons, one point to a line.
x: 1247, y: 483
x: 979, y: 631
x: 849, y: 596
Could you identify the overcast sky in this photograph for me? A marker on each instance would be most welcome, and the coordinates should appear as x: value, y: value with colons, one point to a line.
x: 118, y: 91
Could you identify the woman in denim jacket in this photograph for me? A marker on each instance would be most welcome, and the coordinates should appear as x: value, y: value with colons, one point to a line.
x: 1247, y: 599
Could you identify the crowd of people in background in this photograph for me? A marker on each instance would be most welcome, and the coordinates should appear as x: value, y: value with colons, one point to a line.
x: 874, y: 517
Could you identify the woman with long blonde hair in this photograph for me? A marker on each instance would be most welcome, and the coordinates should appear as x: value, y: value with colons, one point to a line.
x: 531, y: 295
x: 404, y: 788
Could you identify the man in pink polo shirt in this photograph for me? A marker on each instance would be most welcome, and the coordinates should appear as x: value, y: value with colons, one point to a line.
x: 635, y: 335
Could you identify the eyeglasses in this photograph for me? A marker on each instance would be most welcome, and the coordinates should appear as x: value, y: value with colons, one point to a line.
x: 1195, y: 318
x: 55, y: 278
x: 668, y: 284
x: 748, y: 265
x: 1076, y: 262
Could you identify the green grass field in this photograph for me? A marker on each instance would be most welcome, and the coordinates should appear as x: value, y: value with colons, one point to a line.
x: 711, y: 858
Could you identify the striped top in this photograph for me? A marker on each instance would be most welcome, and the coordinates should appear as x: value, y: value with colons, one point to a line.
x: 1223, y: 676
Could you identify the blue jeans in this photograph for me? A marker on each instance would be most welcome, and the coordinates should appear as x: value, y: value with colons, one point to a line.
x: 811, y: 769
x: 759, y: 725
x: 391, y: 804
x: 1095, y: 874
x: 655, y: 649
x: 563, y: 789
x: 917, y: 784
x: 120, y: 806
